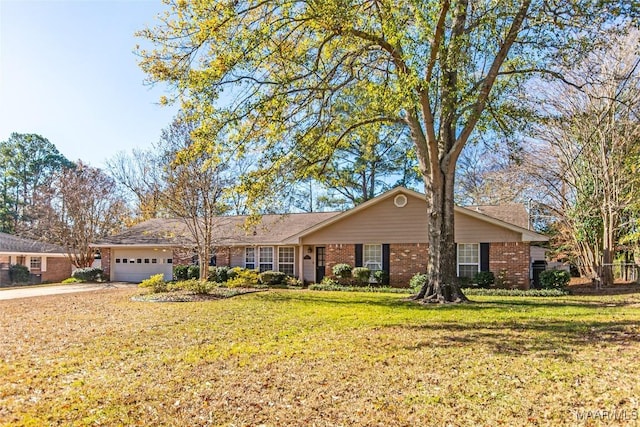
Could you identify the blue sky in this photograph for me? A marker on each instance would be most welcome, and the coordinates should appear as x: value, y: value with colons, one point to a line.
x: 68, y: 73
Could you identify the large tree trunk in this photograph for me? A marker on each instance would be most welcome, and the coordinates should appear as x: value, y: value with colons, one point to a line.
x: 442, y: 285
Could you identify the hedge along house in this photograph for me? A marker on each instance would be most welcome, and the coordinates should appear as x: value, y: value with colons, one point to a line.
x: 46, y: 263
x: 386, y: 233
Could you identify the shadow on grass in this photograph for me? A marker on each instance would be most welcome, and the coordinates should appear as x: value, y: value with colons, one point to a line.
x: 474, y: 304
x: 546, y: 327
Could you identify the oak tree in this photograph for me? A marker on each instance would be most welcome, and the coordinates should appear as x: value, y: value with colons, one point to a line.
x: 292, y: 80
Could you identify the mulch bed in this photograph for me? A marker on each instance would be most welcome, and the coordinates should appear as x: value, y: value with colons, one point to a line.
x: 188, y: 296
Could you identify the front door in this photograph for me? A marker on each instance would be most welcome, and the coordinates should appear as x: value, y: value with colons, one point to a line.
x: 320, y: 260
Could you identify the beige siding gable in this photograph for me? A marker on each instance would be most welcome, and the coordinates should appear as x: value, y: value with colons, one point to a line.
x: 384, y: 222
x: 381, y: 222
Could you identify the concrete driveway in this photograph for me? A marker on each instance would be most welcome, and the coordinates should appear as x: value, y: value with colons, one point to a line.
x: 36, y: 291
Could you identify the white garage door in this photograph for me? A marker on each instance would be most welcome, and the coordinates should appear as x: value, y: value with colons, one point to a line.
x: 136, y: 265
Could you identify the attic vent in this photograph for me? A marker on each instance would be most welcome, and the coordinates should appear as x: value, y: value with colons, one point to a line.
x: 400, y: 200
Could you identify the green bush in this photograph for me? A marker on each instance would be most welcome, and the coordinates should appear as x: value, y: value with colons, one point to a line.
x: 331, y: 285
x: 19, y: 273
x: 464, y: 282
x: 233, y: 273
x: 554, y: 279
x: 156, y: 282
x: 272, y: 278
x: 294, y: 282
x: 243, y: 278
x: 417, y: 282
x: 196, y: 286
x: 342, y: 270
x: 71, y: 280
x: 88, y: 274
x: 381, y: 276
x: 361, y: 274
x: 181, y: 272
x: 484, y: 279
x: 329, y: 282
x: 193, y: 272
x: 218, y: 274
x: 516, y: 292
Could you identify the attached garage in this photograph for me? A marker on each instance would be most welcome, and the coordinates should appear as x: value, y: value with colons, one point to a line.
x: 136, y: 265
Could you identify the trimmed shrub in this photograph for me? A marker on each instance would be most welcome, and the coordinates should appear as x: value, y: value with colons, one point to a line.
x: 516, y: 292
x: 197, y: 286
x: 272, y: 278
x: 181, y: 272
x: 233, y: 273
x: 554, y: 279
x: 484, y: 279
x: 294, y: 282
x: 342, y: 270
x: 88, y: 274
x: 417, y: 282
x: 218, y: 274
x: 362, y: 275
x: 464, y: 282
x: 381, y: 276
x: 328, y: 286
x: 243, y: 278
x: 70, y: 280
x: 193, y: 272
x: 156, y: 282
x: 19, y: 273
x: 327, y: 281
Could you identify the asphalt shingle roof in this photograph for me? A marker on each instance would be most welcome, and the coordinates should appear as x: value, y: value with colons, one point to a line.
x: 272, y: 229
x: 512, y: 213
x: 11, y: 243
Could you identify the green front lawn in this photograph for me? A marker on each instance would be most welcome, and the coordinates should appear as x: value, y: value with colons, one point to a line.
x: 325, y: 358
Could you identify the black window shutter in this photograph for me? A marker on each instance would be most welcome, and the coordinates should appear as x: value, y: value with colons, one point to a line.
x: 484, y: 257
x: 386, y: 261
x: 455, y: 256
x: 358, y: 255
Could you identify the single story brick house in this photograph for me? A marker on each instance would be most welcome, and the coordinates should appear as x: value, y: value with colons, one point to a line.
x: 47, y: 263
x: 386, y: 233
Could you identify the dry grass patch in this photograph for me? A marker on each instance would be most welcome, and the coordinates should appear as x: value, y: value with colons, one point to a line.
x: 317, y: 358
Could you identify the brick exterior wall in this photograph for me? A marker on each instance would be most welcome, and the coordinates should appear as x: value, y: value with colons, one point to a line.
x: 223, y: 256
x: 339, y: 254
x: 510, y: 260
x: 58, y: 269
x: 105, y: 261
x: 406, y: 260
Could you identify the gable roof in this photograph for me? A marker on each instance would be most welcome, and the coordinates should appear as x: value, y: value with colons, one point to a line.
x: 282, y: 229
x: 512, y: 213
x: 527, y: 235
x: 14, y: 244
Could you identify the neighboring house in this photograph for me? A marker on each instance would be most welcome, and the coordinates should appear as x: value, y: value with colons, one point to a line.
x: 386, y: 233
x: 47, y: 263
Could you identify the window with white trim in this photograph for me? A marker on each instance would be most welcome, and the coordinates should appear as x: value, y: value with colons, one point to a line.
x: 468, y: 259
x: 372, y: 257
x: 286, y: 258
x: 265, y: 258
x: 250, y: 258
x: 35, y: 263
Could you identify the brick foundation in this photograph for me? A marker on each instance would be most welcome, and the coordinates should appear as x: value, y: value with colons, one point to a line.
x: 509, y: 262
